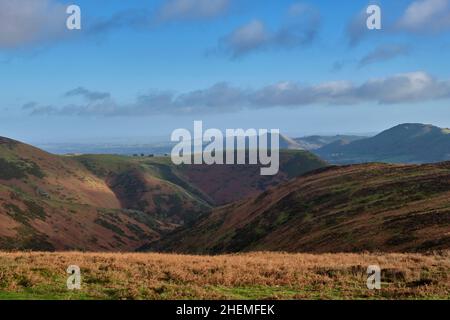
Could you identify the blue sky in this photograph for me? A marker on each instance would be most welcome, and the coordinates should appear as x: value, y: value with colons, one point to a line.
x: 144, y: 68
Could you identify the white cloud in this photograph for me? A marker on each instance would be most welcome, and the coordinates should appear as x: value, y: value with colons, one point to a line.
x: 246, y: 38
x: 27, y: 22
x: 401, y: 88
x: 425, y: 16
x: 419, y: 17
x: 404, y: 88
x: 173, y: 10
x: 300, y: 28
x: 36, y: 22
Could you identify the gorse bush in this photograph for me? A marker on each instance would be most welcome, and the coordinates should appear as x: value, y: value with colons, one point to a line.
x: 19, y: 169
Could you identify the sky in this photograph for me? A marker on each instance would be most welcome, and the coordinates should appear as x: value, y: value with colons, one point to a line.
x: 143, y: 68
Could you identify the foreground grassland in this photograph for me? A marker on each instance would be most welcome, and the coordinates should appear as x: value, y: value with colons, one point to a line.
x: 244, y: 276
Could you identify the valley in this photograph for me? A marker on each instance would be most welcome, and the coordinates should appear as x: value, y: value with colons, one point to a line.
x: 116, y: 203
x: 140, y: 227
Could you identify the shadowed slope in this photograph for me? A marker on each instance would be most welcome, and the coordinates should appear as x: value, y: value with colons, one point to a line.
x: 375, y: 207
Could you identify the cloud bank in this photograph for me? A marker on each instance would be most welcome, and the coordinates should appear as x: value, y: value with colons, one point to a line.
x: 412, y: 87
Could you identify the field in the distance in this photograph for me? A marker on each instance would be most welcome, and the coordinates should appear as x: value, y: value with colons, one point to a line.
x: 243, y: 276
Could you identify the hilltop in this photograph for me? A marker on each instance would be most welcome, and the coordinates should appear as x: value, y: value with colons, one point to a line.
x: 405, y: 143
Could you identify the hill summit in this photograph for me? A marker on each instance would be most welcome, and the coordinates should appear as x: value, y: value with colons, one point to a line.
x: 405, y: 143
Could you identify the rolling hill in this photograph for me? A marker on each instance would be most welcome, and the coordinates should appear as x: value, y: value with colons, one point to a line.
x: 374, y: 207
x: 54, y: 203
x: 122, y: 203
x: 405, y: 143
x: 317, y: 142
x: 115, y: 203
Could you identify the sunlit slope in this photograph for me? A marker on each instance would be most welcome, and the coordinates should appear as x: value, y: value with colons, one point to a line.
x: 49, y: 202
x: 111, y: 203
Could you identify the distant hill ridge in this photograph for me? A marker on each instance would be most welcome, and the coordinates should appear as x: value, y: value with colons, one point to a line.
x: 405, y: 143
x: 317, y: 142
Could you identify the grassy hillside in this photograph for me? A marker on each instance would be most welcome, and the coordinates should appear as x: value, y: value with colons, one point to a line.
x: 406, y: 143
x: 375, y: 207
x: 114, y: 203
x: 247, y: 276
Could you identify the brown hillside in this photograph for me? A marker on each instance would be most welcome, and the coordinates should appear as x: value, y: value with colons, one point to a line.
x: 49, y: 202
x: 39, y: 173
x: 228, y: 183
x: 375, y: 207
x: 112, y: 203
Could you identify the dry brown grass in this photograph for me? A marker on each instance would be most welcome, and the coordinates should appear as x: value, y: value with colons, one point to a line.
x: 243, y: 276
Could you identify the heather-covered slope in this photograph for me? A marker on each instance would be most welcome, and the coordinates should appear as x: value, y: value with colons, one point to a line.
x: 54, y: 203
x: 376, y: 207
x: 112, y: 203
x: 229, y: 183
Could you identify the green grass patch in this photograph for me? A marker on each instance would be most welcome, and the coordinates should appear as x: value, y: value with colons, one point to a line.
x: 257, y: 292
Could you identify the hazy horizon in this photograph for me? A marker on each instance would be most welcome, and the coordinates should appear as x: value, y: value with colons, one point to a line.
x: 143, y: 69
